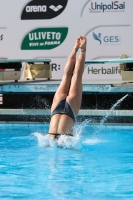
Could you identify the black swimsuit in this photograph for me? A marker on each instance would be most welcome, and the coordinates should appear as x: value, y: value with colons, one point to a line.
x: 57, y: 135
x: 63, y: 108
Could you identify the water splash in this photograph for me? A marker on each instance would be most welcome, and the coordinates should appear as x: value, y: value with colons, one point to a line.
x: 93, y: 141
x: 78, y: 130
x: 77, y: 140
x: 44, y: 141
x: 112, y: 108
x: 42, y: 102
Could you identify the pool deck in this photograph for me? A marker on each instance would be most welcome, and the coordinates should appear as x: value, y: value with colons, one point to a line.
x: 50, y: 86
x: 86, y: 112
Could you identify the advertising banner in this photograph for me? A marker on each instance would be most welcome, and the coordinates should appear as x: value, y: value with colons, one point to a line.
x: 48, y: 29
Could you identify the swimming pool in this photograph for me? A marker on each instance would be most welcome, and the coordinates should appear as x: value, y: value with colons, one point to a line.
x: 96, y: 164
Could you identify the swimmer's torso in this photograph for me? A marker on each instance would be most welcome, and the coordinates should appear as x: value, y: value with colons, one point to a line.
x: 61, y: 123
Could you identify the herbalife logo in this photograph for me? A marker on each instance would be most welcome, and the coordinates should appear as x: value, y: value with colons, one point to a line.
x: 107, y: 39
x: 43, y: 9
x: 113, y: 70
x: 44, y: 38
x: 114, y: 6
x: 1, y: 37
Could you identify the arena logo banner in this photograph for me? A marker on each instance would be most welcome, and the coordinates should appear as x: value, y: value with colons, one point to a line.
x: 43, y: 9
x: 44, y: 38
x: 114, y: 6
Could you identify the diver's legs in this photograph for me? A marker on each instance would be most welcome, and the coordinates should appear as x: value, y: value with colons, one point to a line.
x: 64, y: 86
x: 75, y: 92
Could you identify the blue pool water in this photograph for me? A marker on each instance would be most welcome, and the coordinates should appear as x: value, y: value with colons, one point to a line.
x: 96, y: 164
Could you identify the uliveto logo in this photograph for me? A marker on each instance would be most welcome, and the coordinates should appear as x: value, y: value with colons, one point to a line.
x: 112, y: 70
x: 43, y: 9
x: 1, y: 37
x: 107, y: 39
x: 114, y: 6
x: 44, y: 38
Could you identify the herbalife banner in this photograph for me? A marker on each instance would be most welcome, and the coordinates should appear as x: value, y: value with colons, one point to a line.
x: 48, y: 29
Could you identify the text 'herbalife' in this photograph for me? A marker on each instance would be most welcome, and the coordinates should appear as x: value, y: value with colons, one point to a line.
x: 44, y: 38
x: 112, y: 7
x: 113, y: 70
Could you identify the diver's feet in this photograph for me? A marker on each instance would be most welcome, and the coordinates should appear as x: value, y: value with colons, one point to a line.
x: 77, y: 44
x: 82, y: 45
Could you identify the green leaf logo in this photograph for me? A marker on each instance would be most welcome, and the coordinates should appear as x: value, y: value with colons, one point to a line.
x: 44, y: 38
x: 1, y: 37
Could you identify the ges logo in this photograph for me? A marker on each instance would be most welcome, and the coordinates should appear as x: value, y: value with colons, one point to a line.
x: 107, y: 39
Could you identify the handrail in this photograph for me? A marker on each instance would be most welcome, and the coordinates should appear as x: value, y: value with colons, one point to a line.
x: 3, y: 60
x: 123, y: 60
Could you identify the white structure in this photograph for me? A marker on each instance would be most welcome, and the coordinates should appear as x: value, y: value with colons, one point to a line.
x: 47, y: 29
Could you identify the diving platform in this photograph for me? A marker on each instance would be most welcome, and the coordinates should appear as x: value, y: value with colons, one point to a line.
x: 50, y: 86
x: 30, y: 100
x: 109, y: 61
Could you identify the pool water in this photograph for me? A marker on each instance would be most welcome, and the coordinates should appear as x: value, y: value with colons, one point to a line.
x: 97, y: 163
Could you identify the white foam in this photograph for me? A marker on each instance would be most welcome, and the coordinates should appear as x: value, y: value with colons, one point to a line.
x: 44, y: 140
x: 93, y: 141
x: 67, y: 141
x: 76, y: 142
x: 63, y: 141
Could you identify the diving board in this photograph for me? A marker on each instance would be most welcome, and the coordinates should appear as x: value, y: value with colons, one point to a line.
x: 4, y: 60
x: 124, y: 60
x: 35, y: 68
